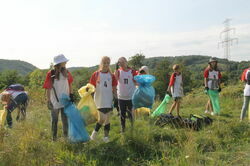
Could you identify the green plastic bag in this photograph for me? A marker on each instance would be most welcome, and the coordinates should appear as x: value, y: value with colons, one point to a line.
x: 214, y: 97
x: 161, y: 108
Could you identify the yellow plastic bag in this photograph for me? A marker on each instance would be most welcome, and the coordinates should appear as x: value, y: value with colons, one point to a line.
x: 142, y: 112
x: 87, y: 105
x: 3, y: 114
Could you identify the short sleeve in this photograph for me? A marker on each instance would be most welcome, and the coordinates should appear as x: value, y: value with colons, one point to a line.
x: 219, y: 75
x: 206, y: 73
x: 134, y: 73
x: 48, y: 83
x: 93, y: 79
x: 172, y: 80
x: 70, y: 78
x: 243, y: 76
x: 114, y: 81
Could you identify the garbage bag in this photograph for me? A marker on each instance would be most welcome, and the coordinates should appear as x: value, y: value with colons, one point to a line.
x: 3, y: 114
x: 161, y: 108
x: 76, y: 125
x: 141, y: 112
x: 214, y: 97
x: 86, y: 105
x: 144, y: 95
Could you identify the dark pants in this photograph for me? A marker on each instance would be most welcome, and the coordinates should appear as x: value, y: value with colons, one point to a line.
x: 20, y: 102
x: 125, y: 106
x: 54, y: 122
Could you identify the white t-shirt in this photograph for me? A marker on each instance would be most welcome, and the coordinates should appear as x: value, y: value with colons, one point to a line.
x: 103, y: 94
x: 177, y: 89
x: 61, y: 87
x: 126, y: 85
x: 213, y: 80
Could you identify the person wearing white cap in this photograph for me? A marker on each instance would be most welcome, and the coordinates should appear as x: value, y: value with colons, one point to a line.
x: 58, y: 81
x: 212, y: 80
x: 143, y: 70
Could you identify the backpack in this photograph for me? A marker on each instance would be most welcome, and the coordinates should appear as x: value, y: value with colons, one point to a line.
x: 15, y: 87
x: 248, y: 77
x: 198, y: 121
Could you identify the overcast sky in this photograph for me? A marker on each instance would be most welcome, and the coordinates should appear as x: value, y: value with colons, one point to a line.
x: 85, y: 30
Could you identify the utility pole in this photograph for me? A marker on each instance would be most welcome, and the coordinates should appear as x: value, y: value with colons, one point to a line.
x: 226, y: 40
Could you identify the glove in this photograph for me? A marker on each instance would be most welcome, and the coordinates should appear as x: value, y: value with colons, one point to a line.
x: 219, y: 90
x: 50, y: 105
x: 206, y: 90
x: 72, y: 97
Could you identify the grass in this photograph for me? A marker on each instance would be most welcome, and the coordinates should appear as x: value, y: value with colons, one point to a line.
x: 225, y: 142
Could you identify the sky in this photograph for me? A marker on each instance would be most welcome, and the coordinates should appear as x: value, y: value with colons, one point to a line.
x: 86, y: 30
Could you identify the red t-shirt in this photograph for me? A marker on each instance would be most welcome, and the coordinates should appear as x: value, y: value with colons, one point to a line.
x: 94, y: 78
x: 48, y: 83
x: 243, y: 76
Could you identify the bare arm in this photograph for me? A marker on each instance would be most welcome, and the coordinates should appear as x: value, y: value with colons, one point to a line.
x: 70, y: 89
x: 205, y: 82
x: 48, y: 94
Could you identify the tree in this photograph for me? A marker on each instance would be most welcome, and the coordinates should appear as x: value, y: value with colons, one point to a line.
x: 162, y: 74
x: 36, y: 78
x: 136, y: 61
x: 9, y: 77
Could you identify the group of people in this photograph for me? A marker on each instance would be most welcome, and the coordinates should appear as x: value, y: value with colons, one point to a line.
x: 120, y: 85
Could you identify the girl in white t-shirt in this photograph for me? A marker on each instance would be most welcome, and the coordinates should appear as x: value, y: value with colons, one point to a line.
x: 212, y: 81
x: 176, y: 89
x: 125, y: 90
x: 105, y: 84
x: 58, y: 82
x: 245, y: 77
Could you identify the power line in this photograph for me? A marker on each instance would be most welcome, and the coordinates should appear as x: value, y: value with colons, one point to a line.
x: 226, y: 40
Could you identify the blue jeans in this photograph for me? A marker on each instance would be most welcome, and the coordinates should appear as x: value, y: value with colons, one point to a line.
x: 245, y: 107
x: 20, y: 102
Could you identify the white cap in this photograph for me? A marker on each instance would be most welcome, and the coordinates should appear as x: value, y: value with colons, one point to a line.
x: 144, y: 68
x: 60, y: 59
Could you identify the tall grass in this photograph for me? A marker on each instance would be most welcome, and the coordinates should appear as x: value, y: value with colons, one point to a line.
x: 225, y: 142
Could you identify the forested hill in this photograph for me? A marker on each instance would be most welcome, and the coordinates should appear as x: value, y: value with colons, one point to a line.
x: 21, y: 67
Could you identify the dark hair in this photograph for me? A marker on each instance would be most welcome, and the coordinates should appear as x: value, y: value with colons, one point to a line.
x: 59, y: 69
x: 215, y: 67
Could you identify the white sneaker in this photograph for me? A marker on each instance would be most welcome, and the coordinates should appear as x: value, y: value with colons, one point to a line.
x: 206, y: 111
x: 93, y: 135
x: 106, y: 139
x: 212, y: 113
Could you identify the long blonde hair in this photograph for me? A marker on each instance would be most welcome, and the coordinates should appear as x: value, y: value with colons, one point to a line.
x: 105, y: 58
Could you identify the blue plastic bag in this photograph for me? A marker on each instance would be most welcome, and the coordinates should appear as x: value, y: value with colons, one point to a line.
x: 77, y: 131
x: 144, y: 95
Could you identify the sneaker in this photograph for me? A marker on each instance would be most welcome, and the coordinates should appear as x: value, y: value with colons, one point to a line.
x: 105, y: 139
x: 212, y: 113
x: 93, y: 135
x: 206, y: 112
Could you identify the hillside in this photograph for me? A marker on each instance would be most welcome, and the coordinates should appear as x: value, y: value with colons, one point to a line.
x: 225, y: 142
x: 22, y: 67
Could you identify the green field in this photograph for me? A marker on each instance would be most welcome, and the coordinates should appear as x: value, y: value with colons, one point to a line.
x: 225, y: 142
